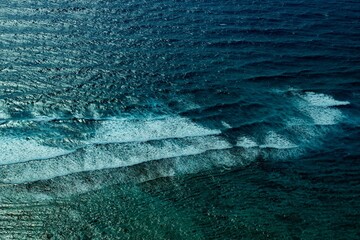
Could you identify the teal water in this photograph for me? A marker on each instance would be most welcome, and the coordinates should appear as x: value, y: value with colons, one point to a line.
x: 179, y: 119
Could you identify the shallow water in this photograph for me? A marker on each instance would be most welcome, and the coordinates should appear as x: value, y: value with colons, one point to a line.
x: 179, y: 119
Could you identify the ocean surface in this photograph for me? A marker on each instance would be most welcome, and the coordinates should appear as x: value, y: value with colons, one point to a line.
x: 160, y: 119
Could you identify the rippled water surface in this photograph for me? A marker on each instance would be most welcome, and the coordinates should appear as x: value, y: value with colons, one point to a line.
x: 179, y: 119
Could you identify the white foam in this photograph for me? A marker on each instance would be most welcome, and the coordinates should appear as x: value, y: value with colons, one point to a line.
x: 321, y: 108
x: 246, y: 143
x: 274, y: 140
x: 226, y: 125
x: 81, y: 183
x: 14, y: 150
x: 185, y: 104
x: 3, y: 111
x: 99, y: 157
x: 271, y: 140
x: 4, y: 115
x: 324, y: 116
x: 92, y: 109
x: 117, y: 131
x: 322, y: 100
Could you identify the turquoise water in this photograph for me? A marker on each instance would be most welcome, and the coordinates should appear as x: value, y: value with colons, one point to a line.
x: 179, y: 119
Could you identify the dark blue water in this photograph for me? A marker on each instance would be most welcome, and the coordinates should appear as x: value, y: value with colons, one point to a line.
x: 179, y: 119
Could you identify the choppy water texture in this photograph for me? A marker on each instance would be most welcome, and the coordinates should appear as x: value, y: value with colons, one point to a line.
x: 179, y: 119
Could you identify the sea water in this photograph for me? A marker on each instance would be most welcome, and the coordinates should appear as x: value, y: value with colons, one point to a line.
x: 179, y: 119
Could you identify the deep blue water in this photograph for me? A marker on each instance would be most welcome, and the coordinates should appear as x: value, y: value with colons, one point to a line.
x: 180, y: 119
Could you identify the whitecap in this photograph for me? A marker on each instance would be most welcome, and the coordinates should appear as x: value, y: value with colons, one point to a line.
x: 274, y: 140
x: 320, y: 108
x: 322, y: 100
x: 105, y: 156
x: 116, y: 131
x: 246, y: 142
x: 13, y: 150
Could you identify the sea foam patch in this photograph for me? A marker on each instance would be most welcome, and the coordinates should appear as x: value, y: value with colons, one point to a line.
x: 324, y: 116
x: 274, y: 140
x: 321, y: 108
x: 20, y: 150
x: 3, y: 115
x: 151, y: 129
x: 105, y: 156
x: 246, y: 142
x: 270, y: 140
x: 116, y: 143
x: 3, y: 111
x: 322, y: 100
x: 120, y: 143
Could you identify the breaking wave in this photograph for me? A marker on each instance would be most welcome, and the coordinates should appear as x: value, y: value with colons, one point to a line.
x: 167, y: 145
